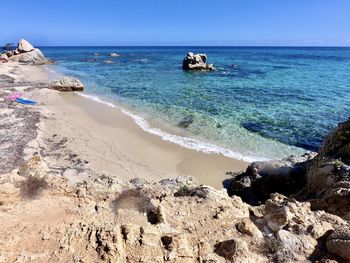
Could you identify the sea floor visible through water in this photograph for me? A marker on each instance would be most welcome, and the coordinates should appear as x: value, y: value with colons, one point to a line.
x: 261, y: 103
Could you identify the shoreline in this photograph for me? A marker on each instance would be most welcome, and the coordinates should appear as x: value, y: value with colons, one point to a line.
x: 123, y: 149
x: 184, y: 141
x: 84, y: 138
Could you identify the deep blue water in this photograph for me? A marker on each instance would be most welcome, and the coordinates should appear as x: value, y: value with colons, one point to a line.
x: 261, y: 101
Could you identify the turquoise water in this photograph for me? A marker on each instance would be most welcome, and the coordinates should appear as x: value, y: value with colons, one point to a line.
x: 260, y: 103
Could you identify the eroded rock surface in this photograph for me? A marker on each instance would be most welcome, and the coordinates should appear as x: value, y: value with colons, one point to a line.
x: 104, y: 220
x: 323, y: 179
x: 196, y: 62
x: 67, y: 84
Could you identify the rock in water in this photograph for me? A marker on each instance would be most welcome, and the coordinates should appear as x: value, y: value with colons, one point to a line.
x: 186, y: 121
x: 114, y: 55
x: 8, y: 47
x: 24, y: 46
x: 67, y: 84
x: 196, y: 62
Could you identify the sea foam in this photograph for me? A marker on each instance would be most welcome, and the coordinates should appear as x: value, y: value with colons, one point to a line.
x: 187, y: 142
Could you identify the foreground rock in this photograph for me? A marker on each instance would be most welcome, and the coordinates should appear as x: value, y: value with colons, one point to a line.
x: 46, y: 219
x: 322, y: 179
x: 196, y: 62
x: 26, y: 53
x: 67, y: 84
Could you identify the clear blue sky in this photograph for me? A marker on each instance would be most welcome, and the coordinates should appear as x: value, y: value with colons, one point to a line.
x: 177, y: 22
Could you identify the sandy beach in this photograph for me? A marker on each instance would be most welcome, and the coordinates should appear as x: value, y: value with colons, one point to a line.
x: 85, y: 138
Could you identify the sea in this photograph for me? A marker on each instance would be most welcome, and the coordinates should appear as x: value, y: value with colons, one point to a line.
x: 261, y: 103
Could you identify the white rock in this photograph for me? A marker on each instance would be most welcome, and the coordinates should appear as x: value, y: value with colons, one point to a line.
x: 24, y: 46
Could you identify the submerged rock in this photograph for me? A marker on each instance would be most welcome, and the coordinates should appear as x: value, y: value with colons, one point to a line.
x: 196, y: 62
x: 186, y: 121
x: 67, y: 84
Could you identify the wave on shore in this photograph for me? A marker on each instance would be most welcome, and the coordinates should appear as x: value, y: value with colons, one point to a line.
x: 183, y: 141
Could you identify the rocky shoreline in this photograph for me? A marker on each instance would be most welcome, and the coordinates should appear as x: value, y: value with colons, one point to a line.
x: 274, y: 212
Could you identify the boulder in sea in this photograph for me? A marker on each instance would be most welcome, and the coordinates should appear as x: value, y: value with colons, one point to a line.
x: 113, y: 54
x: 24, y: 46
x: 66, y: 84
x: 196, y: 62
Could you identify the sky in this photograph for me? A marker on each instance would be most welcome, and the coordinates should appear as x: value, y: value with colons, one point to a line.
x: 177, y: 22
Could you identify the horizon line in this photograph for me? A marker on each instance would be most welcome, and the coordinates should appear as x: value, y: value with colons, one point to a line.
x: 283, y: 46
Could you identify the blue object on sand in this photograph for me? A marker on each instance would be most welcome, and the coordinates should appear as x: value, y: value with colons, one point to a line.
x: 24, y: 101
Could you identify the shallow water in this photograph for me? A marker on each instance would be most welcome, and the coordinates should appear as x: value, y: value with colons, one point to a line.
x: 260, y: 103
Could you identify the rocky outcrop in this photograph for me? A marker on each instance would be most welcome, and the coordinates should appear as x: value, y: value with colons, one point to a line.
x: 66, y: 84
x: 286, y: 176
x: 26, y: 53
x: 323, y: 179
x: 176, y: 220
x: 333, y: 160
x: 196, y: 62
x: 33, y: 57
x: 338, y: 243
x: 24, y: 46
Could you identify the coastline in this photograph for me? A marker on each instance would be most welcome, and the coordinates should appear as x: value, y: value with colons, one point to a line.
x: 113, y: 144
x: 85, y: 138
x: 83, y: 181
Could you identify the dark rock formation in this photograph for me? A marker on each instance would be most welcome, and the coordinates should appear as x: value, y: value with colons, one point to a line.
x: 322, y: 179
x: 285, y: 176
x: 196, y: 62
x: 8, y: 47
x: 328, y: 175
x: 186, y: 121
